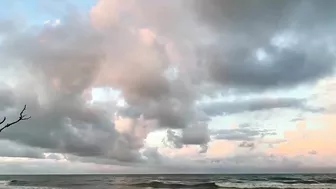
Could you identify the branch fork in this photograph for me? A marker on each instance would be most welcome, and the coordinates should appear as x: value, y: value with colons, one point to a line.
x: 22, y: 117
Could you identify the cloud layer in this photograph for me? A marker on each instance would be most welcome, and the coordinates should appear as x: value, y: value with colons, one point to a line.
x: 169, y: 67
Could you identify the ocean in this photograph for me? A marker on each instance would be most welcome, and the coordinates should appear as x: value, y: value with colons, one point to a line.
x: 319, y: 181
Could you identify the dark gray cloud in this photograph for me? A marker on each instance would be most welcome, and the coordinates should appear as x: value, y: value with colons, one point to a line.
x: 233, y: 32
x: 54, y: 156
x: 263, y: 19
x: 174, y: 139
x: 249, y: 145
x: 220, y: 108
x: 222, y: 39
x: 241, y: 134
x: 7, y: 98
x: 261, y: 16
x: 197, y: 134
x: 153, y: 156
x: 68, y: 128
x: 283, y: 68
x: 194, y: 135
x: 11, y: 149
x: 241, y: 29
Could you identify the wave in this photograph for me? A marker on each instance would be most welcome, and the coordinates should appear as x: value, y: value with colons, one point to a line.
x: 18, y: 182
x: 159, y: 184
x: 231, y: 185
x: 270, y: 185
x: 4, y: 182
x: 284, y: 178
x: 330, y: 181
x: 289, y: 180
x: 293, y: 180
x: 25, y: 184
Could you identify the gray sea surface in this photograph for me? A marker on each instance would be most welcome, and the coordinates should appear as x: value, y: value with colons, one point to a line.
x: 269, y: 181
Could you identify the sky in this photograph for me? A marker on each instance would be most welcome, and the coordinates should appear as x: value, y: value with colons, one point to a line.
x: 168, y: 86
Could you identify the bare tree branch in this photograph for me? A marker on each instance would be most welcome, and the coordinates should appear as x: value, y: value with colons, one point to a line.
x: 22, y: 117
x: 4, y: 119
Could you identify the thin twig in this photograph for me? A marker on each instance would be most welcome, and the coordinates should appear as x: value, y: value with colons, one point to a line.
x: 22, y: 117
x: 4, y: 119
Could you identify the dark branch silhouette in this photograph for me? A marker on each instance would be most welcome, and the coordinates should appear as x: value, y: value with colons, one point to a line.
x: 22, y: 117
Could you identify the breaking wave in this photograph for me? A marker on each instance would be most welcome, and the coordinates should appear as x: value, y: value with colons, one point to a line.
x: 159, y: 184
x: 247, y: 185
x: 4, y: 182
x: 24, y: 184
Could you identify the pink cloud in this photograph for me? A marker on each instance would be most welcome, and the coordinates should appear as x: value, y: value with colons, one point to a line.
x: 303, y: 140
x: 221, y: 148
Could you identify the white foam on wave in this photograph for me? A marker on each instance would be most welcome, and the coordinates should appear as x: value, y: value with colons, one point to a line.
x: 274, y: 185
x: 27, y: 187
x: 4, y: 182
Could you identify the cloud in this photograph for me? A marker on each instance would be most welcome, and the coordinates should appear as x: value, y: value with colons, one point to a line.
x: 244, y: 29
x: 241, y: 133
x: 233, y: 107
x: 195, y: 135
x: 239, y: 69
x: 163, y: 58
x: 7, y: 98
x: 11, y: 149
x: 61, y: 63
x: 246, y: 144
x: 305, y: 140
x: 37, y: 166
x: 313, y: 152
x: 226, y: 46
x: 242, y: 38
